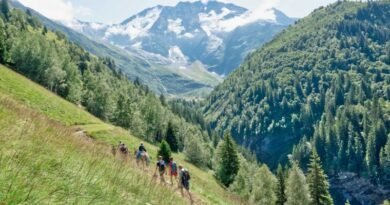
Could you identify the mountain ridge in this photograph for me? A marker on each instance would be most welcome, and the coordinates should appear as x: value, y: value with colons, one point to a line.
x: 193, y: 30
x: 160, y: 79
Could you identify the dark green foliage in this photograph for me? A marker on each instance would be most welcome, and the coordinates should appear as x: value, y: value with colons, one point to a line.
x: 190, y: 111
x: 163, y: 100
x: 227, y: 160
x: 280, y: 186
x: 171, y: 138
x: 5, y: 9
x: 318, y: 182
x: 327, y: 78
x: 164, y: 151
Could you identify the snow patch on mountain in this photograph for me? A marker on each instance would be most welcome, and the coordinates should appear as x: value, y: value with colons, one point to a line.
x: 137, y: 45
x: 210, y: 22
x: 248, y: 17
x: 175, y: 26
x: 137, y: 27
x: 189, y: 35
x: 213, y: 22
x: 97, y: 26
x: 176, y: 55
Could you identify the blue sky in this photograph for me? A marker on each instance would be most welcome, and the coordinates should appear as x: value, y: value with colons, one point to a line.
x: 115, y: 11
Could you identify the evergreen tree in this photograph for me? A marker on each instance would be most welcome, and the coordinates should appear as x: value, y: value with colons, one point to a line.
x: 44, y: 30
x: 371, y: 159
x: 280, y: 186
x: 164, y: 151
x: 318, y: 183
x: 297, y: 190
x: 5, y: 9
x: 3, y: 38
x: 385, y: 163
x: 163, y: 100
x: 171, y: 137
x: 227, y: 160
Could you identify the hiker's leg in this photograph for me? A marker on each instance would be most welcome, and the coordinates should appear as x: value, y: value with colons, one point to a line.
x: 181, y: 191
x: 189, y: 194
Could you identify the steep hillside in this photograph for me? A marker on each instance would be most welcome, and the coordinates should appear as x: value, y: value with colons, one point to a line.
x: 160, y: 78
x: 96, y: 84
x: 40, y: 140
x: 323, y: 81
x: 217, y: 34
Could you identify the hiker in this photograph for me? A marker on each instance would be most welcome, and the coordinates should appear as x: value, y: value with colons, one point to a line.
x: 141, y: 151
x: 161, y: 168
x: 123, y: 148
x: 113, y: 150
x: 184, y: 181
x: 172, y: 170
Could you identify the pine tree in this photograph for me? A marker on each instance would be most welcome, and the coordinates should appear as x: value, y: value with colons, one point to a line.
x: 171, y: 138
x: 371, y: 159
x: 44, y: 30
x: 163, y: 100
x: 385, y: 163
x: 280, y: 186
x: 297, y: 190
x: 5, y: 8
x: 227, y: 160
x: 318, y: 183
x: 164, y: 151
x: 359, y: 153
x: 3, y: 38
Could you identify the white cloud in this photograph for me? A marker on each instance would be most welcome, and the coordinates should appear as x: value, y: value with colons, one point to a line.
x: 62, y: 10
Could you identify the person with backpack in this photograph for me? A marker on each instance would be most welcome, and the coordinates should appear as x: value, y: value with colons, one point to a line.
x: 184, y: 181
x: 172, y: 170
x: 123, y: 148
x: 160, y: 166
x: 141, y: 151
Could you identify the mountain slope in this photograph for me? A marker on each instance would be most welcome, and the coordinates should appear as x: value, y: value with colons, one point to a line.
x: 39, y: 127
x: 217, y: 34
x: 322, y: 78
x: 159, y: 78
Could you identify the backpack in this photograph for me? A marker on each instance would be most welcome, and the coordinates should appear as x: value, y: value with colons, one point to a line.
x: 161, y: 165
x: 173, y: 167
x: 186, y: 175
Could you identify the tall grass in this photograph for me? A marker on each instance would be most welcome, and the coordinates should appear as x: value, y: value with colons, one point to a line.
x: 42, y: 162
x: 48, y: 164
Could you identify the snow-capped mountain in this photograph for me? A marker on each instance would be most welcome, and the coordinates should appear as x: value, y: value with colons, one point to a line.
x: 217, y: 34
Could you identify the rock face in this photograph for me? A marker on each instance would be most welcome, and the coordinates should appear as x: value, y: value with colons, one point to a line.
x: 358, y: 190
x: 217, y: 34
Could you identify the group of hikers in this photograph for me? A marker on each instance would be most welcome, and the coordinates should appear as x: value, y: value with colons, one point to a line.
x: 177, y: 173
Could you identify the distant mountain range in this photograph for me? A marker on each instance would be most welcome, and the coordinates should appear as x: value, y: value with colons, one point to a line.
x: 182, y: 51
x: 217, y: 34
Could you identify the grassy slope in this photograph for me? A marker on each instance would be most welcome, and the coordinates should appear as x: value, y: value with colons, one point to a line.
x: 68, y: 167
